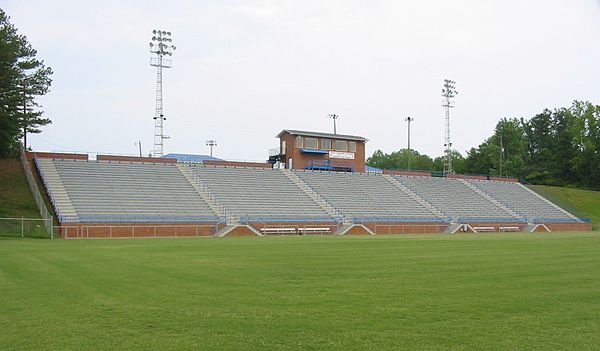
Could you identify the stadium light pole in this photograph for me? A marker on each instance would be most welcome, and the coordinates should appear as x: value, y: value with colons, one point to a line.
x: 139, y: 143
x: 161, y: 45
x: 334, y: 117
x: 409, y: 119
x: 448, y: 92
x: 211, y: 143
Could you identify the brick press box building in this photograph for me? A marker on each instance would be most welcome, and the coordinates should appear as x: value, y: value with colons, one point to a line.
x: 320, y: 151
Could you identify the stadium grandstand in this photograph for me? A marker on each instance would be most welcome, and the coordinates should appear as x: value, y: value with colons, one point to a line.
x: 315, y: 183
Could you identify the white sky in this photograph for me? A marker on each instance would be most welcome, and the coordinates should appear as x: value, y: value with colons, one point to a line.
x: 244, y: 70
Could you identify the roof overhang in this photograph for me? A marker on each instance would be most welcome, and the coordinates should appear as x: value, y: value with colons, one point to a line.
x: 322, y: 135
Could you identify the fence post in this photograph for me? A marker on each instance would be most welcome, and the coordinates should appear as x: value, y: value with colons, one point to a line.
x: 22, y: 229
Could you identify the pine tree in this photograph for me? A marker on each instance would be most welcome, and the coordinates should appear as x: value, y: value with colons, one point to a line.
x: 22, y: 79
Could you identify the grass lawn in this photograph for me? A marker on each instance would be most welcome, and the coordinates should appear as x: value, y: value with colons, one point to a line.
x: 432, y: 292
x: 16, y: 201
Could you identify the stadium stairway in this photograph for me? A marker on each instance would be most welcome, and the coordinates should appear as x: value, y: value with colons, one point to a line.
x: 413, y: 195
x: 203, y: 191
x: 491, y: 199
x: 330, y: 210
x: 58, y: 194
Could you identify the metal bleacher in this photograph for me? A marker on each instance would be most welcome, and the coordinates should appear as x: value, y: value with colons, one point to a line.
x: 523, y: 201
x: 134, y: 192
x: 259, y: 194
x: 456, y: 200
x: 116, y: 192
x: 366, y: 197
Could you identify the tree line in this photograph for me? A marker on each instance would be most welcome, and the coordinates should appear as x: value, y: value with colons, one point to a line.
x: 555, y: 147
x: 23, y: 78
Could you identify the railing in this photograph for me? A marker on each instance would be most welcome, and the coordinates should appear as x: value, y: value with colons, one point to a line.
x: 393, y: 228
x: 138, y: 231
x: 309, y: 189
x: 274, y: 151
x: 539, y: 220
x: 211, y: 195
x: 247, y: 219
x: 328, y: 165
x: 129, y: 218
x: 489, y: 220
x: 360, y: 220
x: 57, y: 213
x: 37, y: 196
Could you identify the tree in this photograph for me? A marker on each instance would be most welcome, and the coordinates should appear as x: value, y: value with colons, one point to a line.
x: 22, y: 78
x: 399, y: 160
x: 501, y: 154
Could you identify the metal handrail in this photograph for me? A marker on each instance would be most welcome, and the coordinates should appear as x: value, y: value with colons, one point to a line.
x: 37, y: 196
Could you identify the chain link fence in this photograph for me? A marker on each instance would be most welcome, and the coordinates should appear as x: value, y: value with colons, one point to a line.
x: 25, y: 228
x: 46, y: 219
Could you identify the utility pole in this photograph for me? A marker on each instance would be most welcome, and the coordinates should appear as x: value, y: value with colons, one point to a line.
x: 139, y: 143
x: 24, y: 120
x: 161, y: 46
x: 409, y: 119
x: 334, y: 117
x: 26, y: 110
x: 501, y: 155
x: 211, y: 143
x: 448, y: 92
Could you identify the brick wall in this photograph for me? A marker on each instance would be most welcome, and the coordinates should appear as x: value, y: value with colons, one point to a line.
x: 57, y: 155
x: 407, y: 173
x: 138, y: 230
x: 135, y: 159
x: 237, y: 164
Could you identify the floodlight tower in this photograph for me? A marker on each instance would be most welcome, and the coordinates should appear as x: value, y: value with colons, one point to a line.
x: 161, y: 45
x: 211, y: 143
x: 448, y: 92
x: 334, y: 117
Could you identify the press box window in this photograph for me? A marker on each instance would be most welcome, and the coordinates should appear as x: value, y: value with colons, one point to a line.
x: 326, y: 144
x: 311, y: 143
x: 341, y: 145
x: 352, y: 146
x: 299, y: 144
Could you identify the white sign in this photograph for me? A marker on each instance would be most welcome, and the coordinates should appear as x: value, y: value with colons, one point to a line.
x: 339, y: 154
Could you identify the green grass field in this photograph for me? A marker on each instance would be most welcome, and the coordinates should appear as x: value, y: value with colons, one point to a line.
x: 435, y: 292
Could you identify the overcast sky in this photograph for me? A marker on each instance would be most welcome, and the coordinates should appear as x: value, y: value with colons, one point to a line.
x: 245, y: 70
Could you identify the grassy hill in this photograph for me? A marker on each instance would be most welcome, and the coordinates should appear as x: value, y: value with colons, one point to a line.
x: 16, y: 201
x: 583, y: 203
